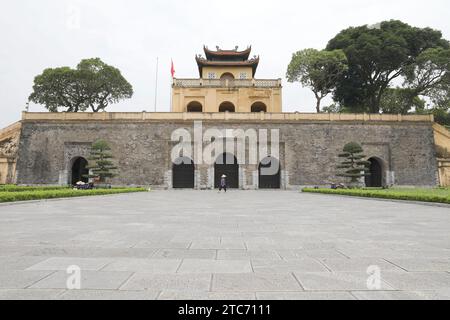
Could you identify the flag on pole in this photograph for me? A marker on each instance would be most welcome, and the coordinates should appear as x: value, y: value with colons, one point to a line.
x: 172, y: 70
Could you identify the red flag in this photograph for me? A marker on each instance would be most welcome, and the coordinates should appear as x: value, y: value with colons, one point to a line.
x: 172, y: 70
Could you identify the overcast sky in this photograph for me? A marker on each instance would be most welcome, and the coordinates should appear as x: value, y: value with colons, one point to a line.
x: 130, y: 35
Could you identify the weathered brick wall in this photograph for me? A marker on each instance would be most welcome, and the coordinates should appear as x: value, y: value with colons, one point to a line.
x: 309, y: 150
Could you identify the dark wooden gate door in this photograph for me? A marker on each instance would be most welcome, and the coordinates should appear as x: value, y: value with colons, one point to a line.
x: 375, y: 180
x: 269, y: 181
x: 79, y: 171
x: 227, y: 165
x: 183, y: 174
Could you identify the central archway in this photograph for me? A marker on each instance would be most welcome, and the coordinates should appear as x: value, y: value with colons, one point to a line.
x: 227, y: 107
x: 375, y: 179
x: 226, y: 164
x: 194, y: 106
x: 227, y: 76
x: 269, y: 173
x: 79, y: 171
x: 258, y: 107
x: 183, y: 174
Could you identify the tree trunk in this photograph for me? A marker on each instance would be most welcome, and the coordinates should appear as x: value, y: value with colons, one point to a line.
x: 319, y: 99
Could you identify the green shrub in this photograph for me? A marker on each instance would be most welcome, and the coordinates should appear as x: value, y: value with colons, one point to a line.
x: 65, y: 193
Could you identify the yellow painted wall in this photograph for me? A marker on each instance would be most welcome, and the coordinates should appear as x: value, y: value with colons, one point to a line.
x: 7, y: 155
x: 444, y: 172
x: 235, y: 71
x: 7, y: 170
x: 242, y: 98
x: 442, y: 141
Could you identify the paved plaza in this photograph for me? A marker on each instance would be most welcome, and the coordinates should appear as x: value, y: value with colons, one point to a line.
x: 239, y: 245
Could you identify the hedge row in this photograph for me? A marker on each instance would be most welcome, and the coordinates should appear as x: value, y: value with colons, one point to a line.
x: 13, y: 188
x: 66, y: 193
x: 436, y: 196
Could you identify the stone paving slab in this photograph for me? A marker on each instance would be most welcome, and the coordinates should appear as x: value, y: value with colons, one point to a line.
x: 192, y: 266
x: 100, y: 280
x: 196, y: 295
x: 342, y: 281
x: 358, y: 264
x: 64, y: 263
x: 247, y: 254
x: 423, y: 265
x: 144, y: 265
x: 255, y: 282
x: 18, y: 262
x: 389, y: 295
x: 185, y: 254
x: 288, y: 266
x: 30, y: 294
x: 13, y: 279
x: 336, y: 295
x: 242, y: 245
x: 108, y: 295
x: 417, y: 281
x: 90, y: 252
x: 179, y: 282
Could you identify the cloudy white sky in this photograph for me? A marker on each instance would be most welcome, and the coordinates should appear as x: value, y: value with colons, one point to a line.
x: 36, y: 34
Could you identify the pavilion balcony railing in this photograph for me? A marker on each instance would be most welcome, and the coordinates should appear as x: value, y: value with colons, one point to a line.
x: 217, y: 83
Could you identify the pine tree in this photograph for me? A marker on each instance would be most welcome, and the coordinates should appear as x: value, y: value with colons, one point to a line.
x: 102, y: 167
x: 353, y: 164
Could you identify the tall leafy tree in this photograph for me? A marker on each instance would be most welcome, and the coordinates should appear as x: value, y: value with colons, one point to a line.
x: 92, y: 85
x: 401, y: 100
x: 377, y: 56
x: 353, y: 166
x: 430, y: 73
x: 102, y: 167
x: 317, y: 70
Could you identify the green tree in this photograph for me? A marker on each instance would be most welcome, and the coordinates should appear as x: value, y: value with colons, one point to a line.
x: 377, y: 56
x: 353, y: 165
x: 92, y: 85
x: 401, y: 100
x: 102, y: 167
x: 317, y: 70
x: 429, y: 72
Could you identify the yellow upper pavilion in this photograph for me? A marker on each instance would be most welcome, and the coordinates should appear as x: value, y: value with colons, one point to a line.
x: 227, y: 84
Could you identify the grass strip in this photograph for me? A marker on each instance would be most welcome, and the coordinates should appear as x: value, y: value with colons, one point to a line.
x: 422, y: 195
x: 13, y: 188
x: 65, y: 193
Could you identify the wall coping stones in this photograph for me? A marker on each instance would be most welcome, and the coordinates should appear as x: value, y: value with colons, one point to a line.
x: 226, y: 116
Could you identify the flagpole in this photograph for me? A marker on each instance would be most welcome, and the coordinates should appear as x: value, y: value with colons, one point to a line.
x: 156, y: 82
x: 171, y: 85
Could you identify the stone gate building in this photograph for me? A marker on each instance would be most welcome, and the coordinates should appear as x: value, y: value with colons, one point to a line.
x: 53, y: 148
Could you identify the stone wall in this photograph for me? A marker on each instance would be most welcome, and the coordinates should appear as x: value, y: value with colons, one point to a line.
x: 308, y: 151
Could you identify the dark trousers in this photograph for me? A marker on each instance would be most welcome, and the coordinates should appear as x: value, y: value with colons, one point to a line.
x: 223, y: 188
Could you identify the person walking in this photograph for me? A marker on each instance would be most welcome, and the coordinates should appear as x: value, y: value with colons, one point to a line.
x: 223, y: 183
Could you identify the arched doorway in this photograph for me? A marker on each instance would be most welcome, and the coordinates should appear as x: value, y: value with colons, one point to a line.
x: 269, y: 173
x: 375, y: 179
x: 258, y: 107
x: 183, y: 174
x: 194, y: 106
x: 79, y: 171
x: 227, y: 107
x: 227, y: 76
x: 226, y: 164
